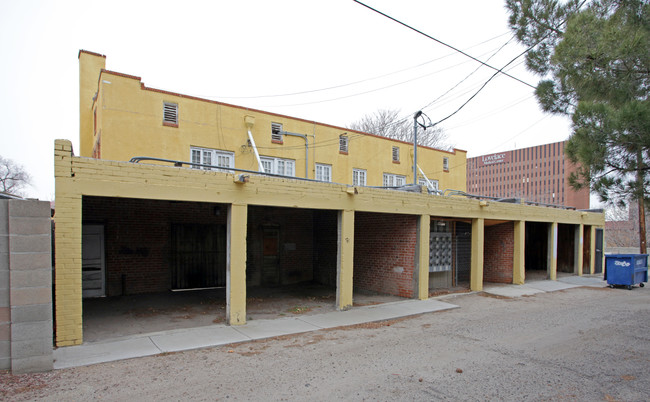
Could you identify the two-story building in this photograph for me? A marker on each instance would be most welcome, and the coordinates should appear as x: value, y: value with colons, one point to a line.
x: 222, y: 195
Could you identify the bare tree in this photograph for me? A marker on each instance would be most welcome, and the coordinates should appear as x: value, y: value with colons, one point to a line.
x: 388, y: 123
x: 13, y: 177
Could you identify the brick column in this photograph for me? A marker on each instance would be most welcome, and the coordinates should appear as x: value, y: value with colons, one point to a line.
x: 421, y: 271
x: 552, y: 252
x: 592, y: 250
x: 519, y: 255
x: 578, y: 249
x: 344, y: 268
x: 67, y: 240
x: 478, y: 236
x: 236, y: 265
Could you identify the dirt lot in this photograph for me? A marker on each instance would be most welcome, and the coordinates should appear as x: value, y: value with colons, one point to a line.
x: 580, y: 344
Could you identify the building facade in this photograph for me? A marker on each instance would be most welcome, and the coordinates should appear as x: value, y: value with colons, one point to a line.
x: 121, y: 118
x: 537, y: 174
x: 126, y: 227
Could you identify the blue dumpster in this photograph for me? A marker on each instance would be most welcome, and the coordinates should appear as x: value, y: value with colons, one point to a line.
x: 626, y: 269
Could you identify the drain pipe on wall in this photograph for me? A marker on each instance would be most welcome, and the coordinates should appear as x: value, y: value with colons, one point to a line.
x: 304, y: 137
x: 250, y: 121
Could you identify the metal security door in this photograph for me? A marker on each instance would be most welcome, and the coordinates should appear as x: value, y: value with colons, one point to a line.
x: 598, y: 268
x: 93, y: 270
x: 198, y: 256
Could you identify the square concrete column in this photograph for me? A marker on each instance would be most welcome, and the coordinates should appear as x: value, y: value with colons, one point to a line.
x: 552, y: 252
x: 519, y: 255
x: 578, y: 247
x: 592, y: 250
x: 478, y: 240
x: 345, y: 263
x: 421, y: 271
x: 236, y: 265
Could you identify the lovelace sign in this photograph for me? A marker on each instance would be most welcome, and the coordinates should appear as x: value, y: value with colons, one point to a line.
x: 493, y: 159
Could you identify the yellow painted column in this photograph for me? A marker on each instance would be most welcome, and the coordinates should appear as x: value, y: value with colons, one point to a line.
x: 344, y: 271
x: 592, y: 250
x: 519, y: 263
x: 552, y: 252
x: 478, y: 237
x: 421, y: 272
x: 578, y: 257
x: 67, y: 240
x: 236, y: 265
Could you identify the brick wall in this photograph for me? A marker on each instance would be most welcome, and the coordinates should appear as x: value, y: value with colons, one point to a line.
x: 499, y: 253
x: 137, y: 238
x: 296, y: 245
x: 384, y: 253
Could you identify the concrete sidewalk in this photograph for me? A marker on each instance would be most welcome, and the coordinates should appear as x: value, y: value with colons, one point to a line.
x: 220, y: 334
x: 542, y: 286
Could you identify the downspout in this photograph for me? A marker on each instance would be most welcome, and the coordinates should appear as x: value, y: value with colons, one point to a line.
x: 304, y: 137
x: 250, y: 120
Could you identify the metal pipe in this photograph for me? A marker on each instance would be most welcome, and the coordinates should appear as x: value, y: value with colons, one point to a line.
x: 415, y: 146
x: 304, y: 137
x: 257, y: 154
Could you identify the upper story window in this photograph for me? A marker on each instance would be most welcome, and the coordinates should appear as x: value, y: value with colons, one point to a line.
x: 276, y: 133
x: 445, y: 164
x: 394, y: 180
x: 343, y: 144
x: 215, y: 158
x: 395, y: 154
x: 323, y: 172
x: 431, y: 185
x: 358, y: 177
x: 284, y: 167
x: 170, y: 114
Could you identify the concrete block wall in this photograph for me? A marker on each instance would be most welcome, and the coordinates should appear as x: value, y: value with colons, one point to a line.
x: 384, y: 253
x: 499, y: 250
x: 26, y: 331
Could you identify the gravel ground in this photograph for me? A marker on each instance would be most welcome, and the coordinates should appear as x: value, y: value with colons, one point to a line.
x: 583, y: 344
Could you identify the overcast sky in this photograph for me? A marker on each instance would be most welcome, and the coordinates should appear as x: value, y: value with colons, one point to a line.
x: 337, y: 59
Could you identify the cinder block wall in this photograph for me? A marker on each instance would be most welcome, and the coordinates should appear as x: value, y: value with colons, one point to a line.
x: 384, y: 253
x: 25, y: 286
x: 499, y: 250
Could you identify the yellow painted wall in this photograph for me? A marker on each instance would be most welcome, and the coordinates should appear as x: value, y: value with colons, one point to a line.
x: 78, y: 177
x: 130, y: 116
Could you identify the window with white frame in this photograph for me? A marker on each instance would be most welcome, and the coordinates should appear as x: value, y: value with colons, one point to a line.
x: 170, y: 114
x: 395, y: 154
x: 323, y: 172
x: 343, y: 143
x: 358, y: 177
x: 434, y: 183
x: 214, y: 157
x: 284, y: 167
x: 445, y: 164
x: 276, y: 132
x: 394, y: 180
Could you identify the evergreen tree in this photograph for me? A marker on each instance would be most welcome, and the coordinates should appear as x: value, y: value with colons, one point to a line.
x: 594, y: 57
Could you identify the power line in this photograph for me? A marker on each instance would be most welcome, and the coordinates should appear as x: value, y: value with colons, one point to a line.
x: 443, y: 43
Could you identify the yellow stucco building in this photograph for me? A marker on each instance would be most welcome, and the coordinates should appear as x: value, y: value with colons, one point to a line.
x: 122, y: 118
x: 124, y: 227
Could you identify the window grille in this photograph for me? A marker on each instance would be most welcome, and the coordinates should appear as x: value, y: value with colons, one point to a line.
x: 343, y: 143
x: 276, y: 130
x: 395, y: 154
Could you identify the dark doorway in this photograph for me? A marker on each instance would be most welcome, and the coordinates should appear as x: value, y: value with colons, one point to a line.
x: 536, y: 249
x: 598, y: 268
x: 198, y: 256
x: 270, y: 255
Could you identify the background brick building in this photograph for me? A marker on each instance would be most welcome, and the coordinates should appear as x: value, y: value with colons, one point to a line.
x: 538, y: 174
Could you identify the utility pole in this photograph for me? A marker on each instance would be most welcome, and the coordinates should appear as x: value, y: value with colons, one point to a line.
x: 415, y: 146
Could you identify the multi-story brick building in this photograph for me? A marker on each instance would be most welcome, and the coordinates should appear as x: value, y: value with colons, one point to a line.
x: 537, y: 174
